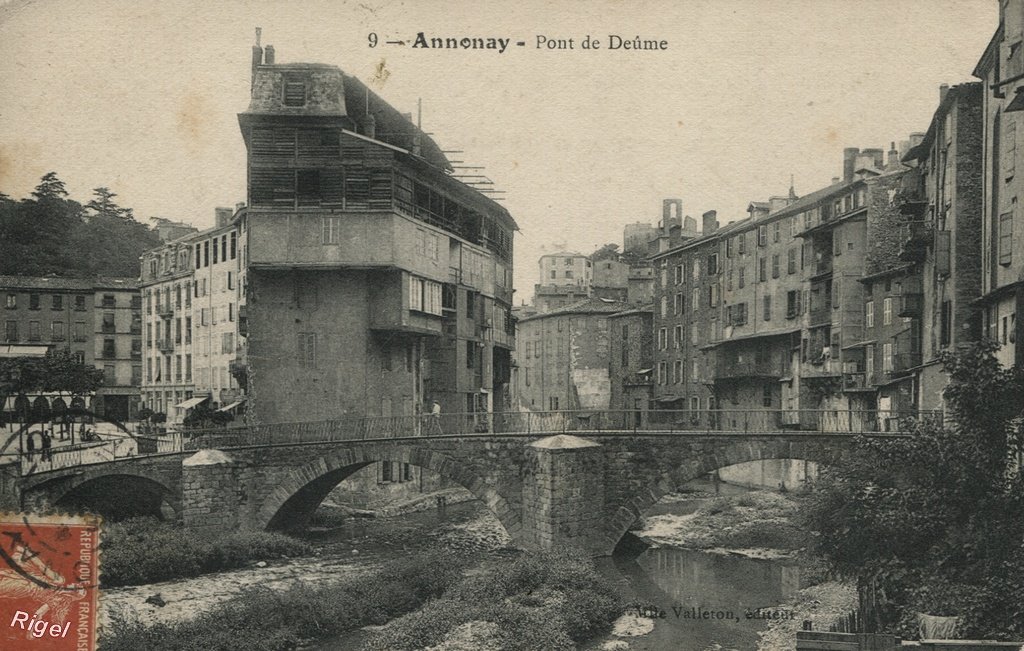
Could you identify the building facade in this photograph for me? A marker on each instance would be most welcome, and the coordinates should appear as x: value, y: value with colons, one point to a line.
x: 563, y: 357
x: 374, y: 282
x: 99, y: 320
x: 564, y: 279
x: 631, y: 361
x: 1001, y: 70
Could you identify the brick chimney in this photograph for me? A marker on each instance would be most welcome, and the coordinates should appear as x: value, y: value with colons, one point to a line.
x: 709, y: 222
x: 257, y: 57
x: 849, y: 162
x: 269, y: 55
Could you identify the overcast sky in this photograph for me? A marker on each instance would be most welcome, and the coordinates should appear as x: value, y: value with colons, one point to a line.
x: 142, y: 97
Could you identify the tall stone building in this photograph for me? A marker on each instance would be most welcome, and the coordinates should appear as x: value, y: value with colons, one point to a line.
x: 563, y: 357
x: 564, y: 278
x: 942, y: 205
x: 631, y: 361
x: 1001, y: 70
x: 374, y: 281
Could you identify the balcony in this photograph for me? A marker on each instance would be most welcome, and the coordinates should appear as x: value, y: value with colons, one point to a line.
x: 748, y: 365
x: 855, y: 381
x: 903, y: 362
x: 164, y: 345
x: 917, y: 237
x: 637, y: 379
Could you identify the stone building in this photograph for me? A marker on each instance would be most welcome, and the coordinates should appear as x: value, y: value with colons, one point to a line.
x: 374, y: 282
x: 942, y: 206
x: 563, y: 357
x: 98, y: 319
x: 564, y: 278
x: 1001, y: 70
x: 631, y: 361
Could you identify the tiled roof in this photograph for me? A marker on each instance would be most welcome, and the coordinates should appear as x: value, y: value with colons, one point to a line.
x: 586, y: 306
x: 71, y: 284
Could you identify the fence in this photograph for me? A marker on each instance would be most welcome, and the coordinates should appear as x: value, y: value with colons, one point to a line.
x: 703, y: 422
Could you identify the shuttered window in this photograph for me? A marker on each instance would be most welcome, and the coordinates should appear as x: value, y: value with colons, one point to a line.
x: 1006, y: 238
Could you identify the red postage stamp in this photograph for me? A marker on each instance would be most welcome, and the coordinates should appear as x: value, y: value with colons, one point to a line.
x: 49, y: 582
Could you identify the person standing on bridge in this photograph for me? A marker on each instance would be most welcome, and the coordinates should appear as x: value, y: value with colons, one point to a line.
x: 435, y: 417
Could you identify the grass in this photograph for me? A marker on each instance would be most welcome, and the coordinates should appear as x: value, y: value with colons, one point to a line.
x: 264, y: 620
x: 547, y: 600
x: 145, y: 550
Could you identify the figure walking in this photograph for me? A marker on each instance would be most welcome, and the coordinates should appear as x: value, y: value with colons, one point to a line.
x: 47, y: 453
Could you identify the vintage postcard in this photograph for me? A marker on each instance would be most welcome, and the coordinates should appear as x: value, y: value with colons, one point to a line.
x: 655, y: 325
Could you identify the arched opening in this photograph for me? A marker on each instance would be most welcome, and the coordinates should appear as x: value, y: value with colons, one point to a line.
x: 454, y: 492
x: 118, y: 497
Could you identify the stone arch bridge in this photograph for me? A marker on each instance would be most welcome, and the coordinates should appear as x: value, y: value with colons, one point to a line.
x: 582, y: 488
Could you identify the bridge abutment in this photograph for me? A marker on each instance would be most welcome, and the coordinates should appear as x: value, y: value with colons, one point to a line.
x: 563, y: 494
x: 211, y: 495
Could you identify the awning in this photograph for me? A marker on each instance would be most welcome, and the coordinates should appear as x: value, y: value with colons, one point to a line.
x: 191, y: 402
x: 644, y: 371
x: 22, y: 350
x: 232, y: 405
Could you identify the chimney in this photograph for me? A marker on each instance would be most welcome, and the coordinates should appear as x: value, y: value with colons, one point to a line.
x: 239, y: 206
x: 671, y: 214
x: 876, y: 155
x: 257, y: 57
x: 222, y: 216
x: 943, y: 90
x: 269, y: 55
x: 709, y: 222
x: 690, y: 225
x: 916, y: 138
x: 894, y: 157
x: 849, y: 162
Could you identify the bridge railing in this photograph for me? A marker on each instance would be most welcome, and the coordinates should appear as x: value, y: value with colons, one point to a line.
x: 697, y: 421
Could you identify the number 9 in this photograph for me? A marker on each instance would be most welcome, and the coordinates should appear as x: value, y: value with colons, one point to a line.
x: 373, y: 39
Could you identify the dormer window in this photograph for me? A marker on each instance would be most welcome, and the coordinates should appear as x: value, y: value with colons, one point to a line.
x: 294, y: 93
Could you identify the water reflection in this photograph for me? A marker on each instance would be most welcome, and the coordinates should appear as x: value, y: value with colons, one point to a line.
x: 704, y: 598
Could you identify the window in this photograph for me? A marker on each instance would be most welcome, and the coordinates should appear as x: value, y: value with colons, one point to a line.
x: 109, y: 348
x: 713, y: 296
x: 729, y: 247
x: 79, y: 333
x: 791, y: 261
x: 869, y: 362
x: 568, y: 273
x: 554, y: 274
x: 767, y: 308
x: 696, y: 300
x: 188, y: 330
x: 109, y: 375
x: 57, y: 302
x: 227, y: 342
x: 109, y: 300
x: 33, y: 301
x: 33, y: 331
x: 677, y: 337
x: 79, y: 303
x: 470, y: 354
x: 11, y: 331
x: 762, y: 269
x: 762, y: 235
x: 1009, y: 138
x: 945, y: 323
x: 57, y: 331
x: 553, y: 403
x: 742, y: 280
x: 294, y: 93
x: 662, y: 372
x: 1006, y: 235
x: 307, y: 349
x: 677, y: 371
x: 887, y: 364
x: 662, y: 338
x: 775, y: 266
x: 793, y: 304
x: 470, y: 305
x: 679, y: 274
x: 742, y: 243
x: 694, y: 403
x: 680, y: 304
x: 712, y: 264
x: 234, y: 245
x: 887, y: 311
x: 776, y: 229
x: 869, y: 314
x: 664, y: 306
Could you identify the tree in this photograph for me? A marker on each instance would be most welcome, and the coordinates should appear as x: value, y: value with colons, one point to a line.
x: 50, y: 187
x: 609, y: 251
x: 103, y: 203
x: 931, y: 523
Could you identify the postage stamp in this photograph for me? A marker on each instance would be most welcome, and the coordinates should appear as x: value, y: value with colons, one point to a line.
x: 49, y: 582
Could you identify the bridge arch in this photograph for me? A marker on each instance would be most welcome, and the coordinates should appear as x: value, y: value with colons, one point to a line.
x: 297, y: 496
x: 115, y: 493
x: 674, y: 470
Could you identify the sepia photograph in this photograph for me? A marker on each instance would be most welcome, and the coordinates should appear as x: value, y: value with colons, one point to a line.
x: 344, y: 325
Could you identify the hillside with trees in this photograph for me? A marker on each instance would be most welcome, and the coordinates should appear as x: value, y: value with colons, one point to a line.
x: 48, y: 233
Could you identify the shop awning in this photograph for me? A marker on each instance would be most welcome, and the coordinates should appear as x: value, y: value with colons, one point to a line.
x: 191, y: 402
x: 232, y: 405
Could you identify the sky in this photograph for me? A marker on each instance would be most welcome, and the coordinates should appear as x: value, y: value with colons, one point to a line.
x: 143, y: 96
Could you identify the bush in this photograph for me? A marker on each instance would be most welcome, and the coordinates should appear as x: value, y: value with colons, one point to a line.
x: 264, y: 620
x: 146, y: 550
